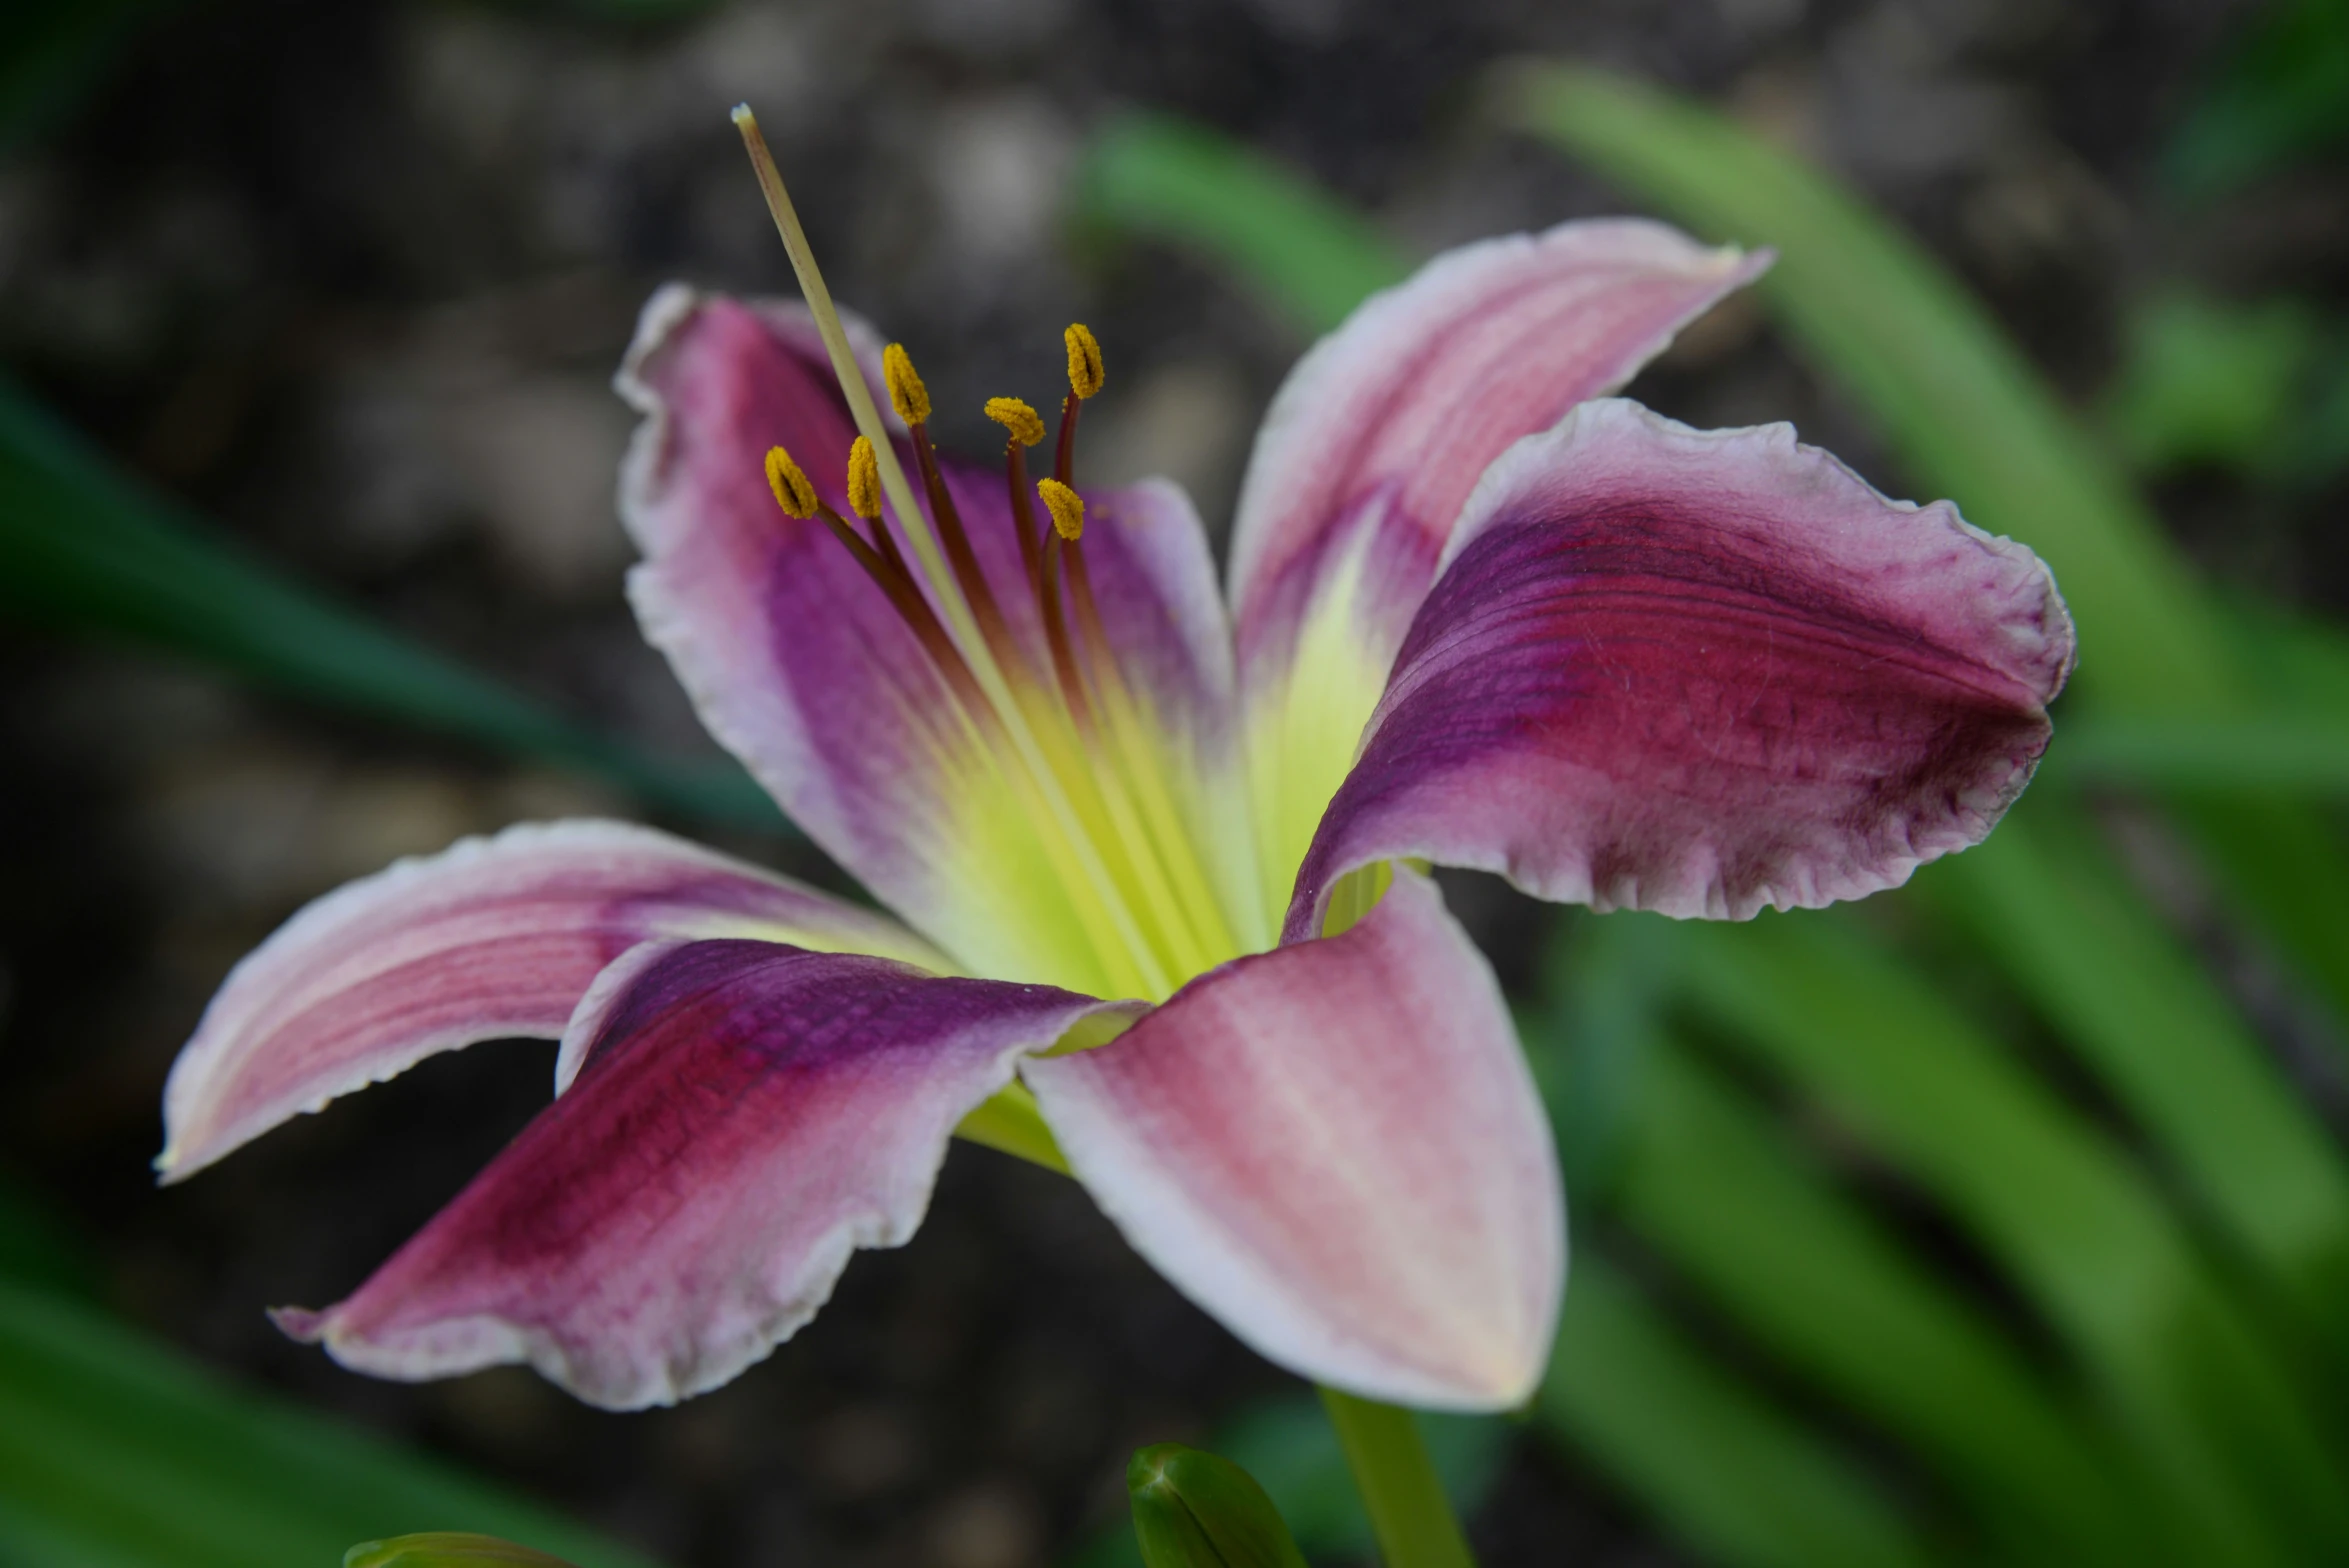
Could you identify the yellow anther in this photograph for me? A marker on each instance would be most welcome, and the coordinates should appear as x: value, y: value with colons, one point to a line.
x: 789, y: 482
x: 864, y: 480
x: 1017, y: 417
x: 1066, y: 506
x: 906, y: 393
x: 1084, y: 359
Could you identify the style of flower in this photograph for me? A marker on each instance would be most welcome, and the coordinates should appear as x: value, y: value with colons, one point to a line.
x: 1159, y: 866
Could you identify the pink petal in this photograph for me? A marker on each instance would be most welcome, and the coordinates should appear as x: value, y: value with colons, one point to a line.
x: 800, y: 667
x: 1375, y: 442
x: 748, y: 1115
x: 1336, y: 1149
x: 494, y: 937
x: 1700, y: 672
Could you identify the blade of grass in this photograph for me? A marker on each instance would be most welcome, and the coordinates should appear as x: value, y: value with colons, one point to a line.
x: 85, y: 549
x: 2051, y: 1199
x: 114, y: 1450
x: 2297, y: 753
x: 1971, y: 420
x: 2063, y: 920
x: 1724, y: 1194
x: 1311, y: 256
x: 1742, y: 1483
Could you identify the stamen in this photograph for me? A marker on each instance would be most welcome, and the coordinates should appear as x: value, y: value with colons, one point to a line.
x: 912, y: 402
x: 799, y: 500
x: 1023, y: 429
x: 1024, y: 425
x: 864, y: 482
x: 906, y: 393
x: 789, y: 482
x: 1084, y: 379
x: 1084, y: 359
x: 1066, y: 506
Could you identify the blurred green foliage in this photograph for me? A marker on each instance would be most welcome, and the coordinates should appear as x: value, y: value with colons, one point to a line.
x: 1979, y: 1223
x: 116, y: 1452
x: 89, y: 550
x: 2281, y: 97
x: 2260, y: 388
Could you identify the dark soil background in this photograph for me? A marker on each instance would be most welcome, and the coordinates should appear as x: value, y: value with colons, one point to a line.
x: 352, y: 279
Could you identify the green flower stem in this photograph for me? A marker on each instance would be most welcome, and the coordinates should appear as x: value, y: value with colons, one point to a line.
x: 1414, y: 1519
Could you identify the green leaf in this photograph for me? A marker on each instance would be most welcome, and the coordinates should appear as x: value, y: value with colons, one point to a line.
x: 116, y: 1452
x: 2283, y: 96
x: 2287, y: 753
x: 85, y: 549
x: 1608, y: 981
x: 2206, y: 381
x: 1740, y: 1481
x: 2051, y: 1198
x: 447, y: 1549
x: 1194, y: 1509
x: 2068, y: 927
x: 1311, y: 256
x: 1724, y: 1194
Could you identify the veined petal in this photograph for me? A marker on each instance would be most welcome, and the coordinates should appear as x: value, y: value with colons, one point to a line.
x: 1375, y: 441
x: 1336, y: 1149
x: 1700, y: 672
x: 800, y: 667
x: 491, y: 937
x: 746, y: 1116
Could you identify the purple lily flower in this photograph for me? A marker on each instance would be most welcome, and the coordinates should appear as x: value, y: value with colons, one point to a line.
x: 1159, y: 866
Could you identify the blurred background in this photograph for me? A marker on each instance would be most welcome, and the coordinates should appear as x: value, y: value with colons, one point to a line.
x: 2004, y: 1219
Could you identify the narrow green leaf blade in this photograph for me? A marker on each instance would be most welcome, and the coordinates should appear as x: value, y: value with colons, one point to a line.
x: 1740, y: 1481
x: 1717, y: 1189
x: 2075, y: 935
x: 2048, y: 1196
x: 85, y: 549
x: 115, y: 1451
x: 1309, y: 254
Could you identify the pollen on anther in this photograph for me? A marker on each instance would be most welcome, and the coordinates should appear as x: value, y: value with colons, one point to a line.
x: 864, y: 480
x: 789, y: 481
x: 1084, y: 359
x: 1024, y: 424
x: 1066, y: 506
x: 906, y: 393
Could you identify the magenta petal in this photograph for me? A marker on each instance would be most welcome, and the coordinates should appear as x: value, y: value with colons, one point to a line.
x: 1377, y: 438
x: 1336, y: 1149
x: 793, y: 658
x: 748, y: 1115
x: 1700, y: 672
x: 494, y: 937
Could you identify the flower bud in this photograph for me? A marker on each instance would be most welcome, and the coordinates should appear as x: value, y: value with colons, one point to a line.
x: 1195, y: 1510
x: 446, y: 1549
